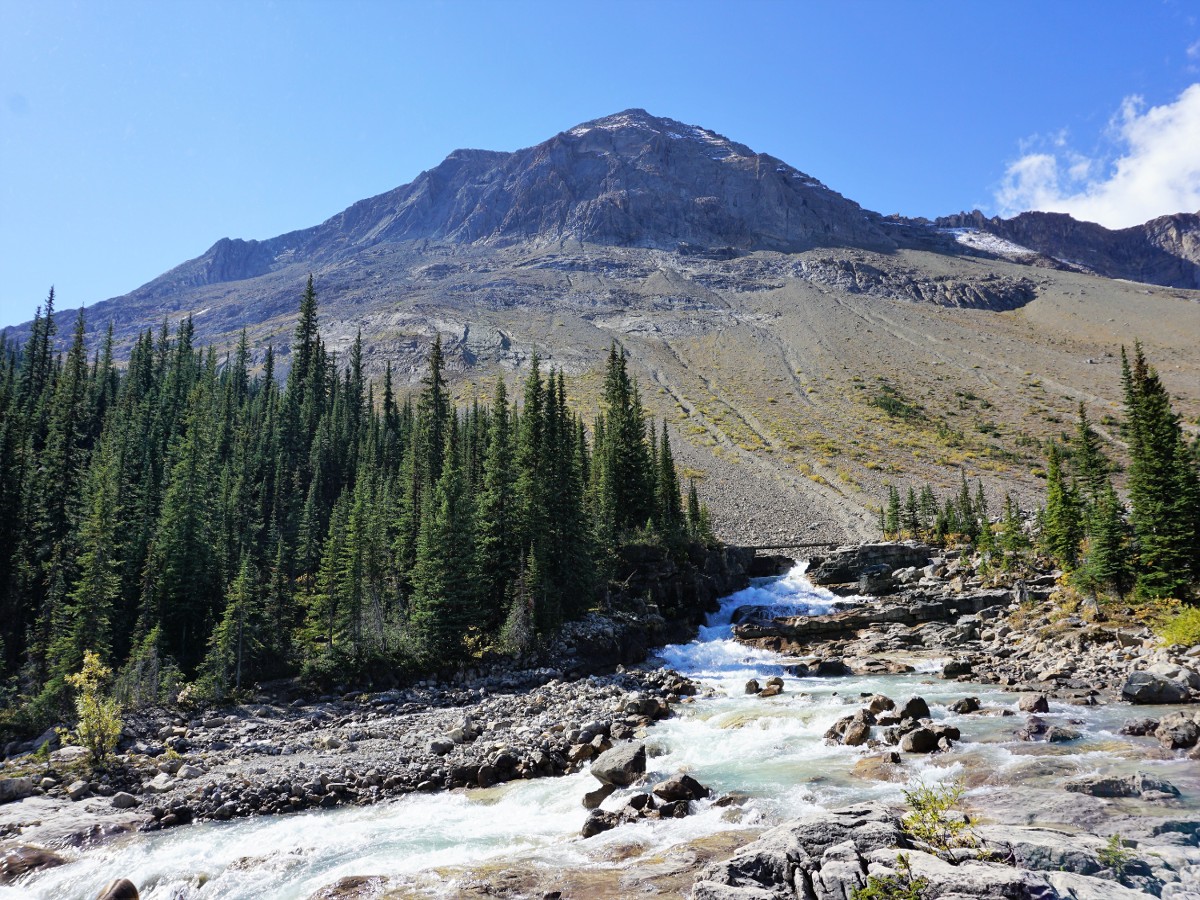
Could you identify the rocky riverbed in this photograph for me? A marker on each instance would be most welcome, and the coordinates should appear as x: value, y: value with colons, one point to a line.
x: 811, y: 704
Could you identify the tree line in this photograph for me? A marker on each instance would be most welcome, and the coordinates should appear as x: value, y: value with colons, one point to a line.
x: 1147, y: 545
x: 1150, y: 544
x: 187, y: 518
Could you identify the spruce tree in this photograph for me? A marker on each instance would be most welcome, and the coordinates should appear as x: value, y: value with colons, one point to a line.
x: 1062, y: 525
x: 1105, y: 563
x: 1163, y: 488
x: 444, y: 603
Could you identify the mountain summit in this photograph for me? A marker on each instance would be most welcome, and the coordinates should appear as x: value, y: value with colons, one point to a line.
x: 627, y: 180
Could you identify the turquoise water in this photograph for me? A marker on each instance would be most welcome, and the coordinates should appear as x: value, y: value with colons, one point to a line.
x: 771, y: 749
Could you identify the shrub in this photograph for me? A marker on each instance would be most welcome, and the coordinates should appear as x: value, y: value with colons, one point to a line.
x: 1116, y: 856
x: 935, y: 820
x: 99, y: 726
x: 901, y: 886
x: 1182, y: 628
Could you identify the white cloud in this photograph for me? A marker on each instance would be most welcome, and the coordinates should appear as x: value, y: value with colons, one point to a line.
x: 1154, y: 171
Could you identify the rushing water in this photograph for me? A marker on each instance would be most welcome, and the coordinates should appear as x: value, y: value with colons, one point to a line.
x: 771, y: 749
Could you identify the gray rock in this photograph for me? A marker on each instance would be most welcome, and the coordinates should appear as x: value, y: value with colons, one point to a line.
x: 622, y: 765
x: 592, y: 799
x: 123, y: 800
x: 599, y: 821
x: 915, y: 708
x: 1118, y: 786
x: 956, y: 668
x: 680, y: 787
x: 919, y: 740
x: 1147, y: 688
x: 78, y: 790
x: 189, y: 772
x: 1033, y: 703
x: 1057, y: 734
x: 160, y: 783
x: 440, y: 747
x: 1177, y: 732
x: 12, y: 789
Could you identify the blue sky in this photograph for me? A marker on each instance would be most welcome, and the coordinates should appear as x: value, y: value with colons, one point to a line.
x: 134, y: 135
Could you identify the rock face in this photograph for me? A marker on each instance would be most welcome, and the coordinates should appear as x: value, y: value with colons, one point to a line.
x: 1162, y: 251
x: 852, y: 563
x: 630, y: 179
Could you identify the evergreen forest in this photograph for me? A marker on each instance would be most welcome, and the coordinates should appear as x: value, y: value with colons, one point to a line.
x: 197, y: 523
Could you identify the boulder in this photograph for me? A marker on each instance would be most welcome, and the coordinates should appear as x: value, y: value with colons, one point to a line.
x: 915, y: 708
x: 1148, y: 688
x: 1033, y: 703
x: 23, y: 860
x: 77, y: 790
x: 856, y: 734
x: 622, y: 765
x: 1177, y: 732
x: 956, y: 668
x: 875, y: 581
x: 12, y: 789
x: 160, y: 783
x: 189, y: 772
x: 878, y: 703
x: 120, y: 889
x: 771, y: 690
x: 599, y: 821
x: 440, y: 747
x: 593, y: 799
x: 1057, y: 734
x: 965, y: 705
x: 752, y: 686
x: 680, y: 787
x: 919, y: 740
x: 123, y: 800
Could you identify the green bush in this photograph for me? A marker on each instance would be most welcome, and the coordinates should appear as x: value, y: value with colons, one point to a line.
x: 935, y: 820
x: 1116, y: 856
x: 99, y: 726
x: 1182, y: 628
x: 901, y: 886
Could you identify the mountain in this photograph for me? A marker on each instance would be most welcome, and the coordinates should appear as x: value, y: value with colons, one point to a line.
x: 627, y: 180
x: 1163, y: 251
x: 805, y: 351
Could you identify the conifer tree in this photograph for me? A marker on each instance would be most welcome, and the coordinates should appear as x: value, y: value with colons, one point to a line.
x: 1164, y: 488
x: 444, y: 603
x: 237, y: 640
x: 892, y: 518
x: 1105, y: 562
x: 1012, y: 535
x: 1062, y: 526
x: 668, y: 505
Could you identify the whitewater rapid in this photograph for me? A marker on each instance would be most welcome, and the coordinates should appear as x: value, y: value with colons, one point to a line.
x: 769, y: 749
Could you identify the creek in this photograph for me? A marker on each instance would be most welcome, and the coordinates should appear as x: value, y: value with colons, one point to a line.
x: 771, y: 750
